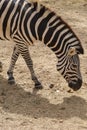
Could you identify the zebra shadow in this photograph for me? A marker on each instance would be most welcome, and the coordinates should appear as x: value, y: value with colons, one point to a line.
x: 14, y: 99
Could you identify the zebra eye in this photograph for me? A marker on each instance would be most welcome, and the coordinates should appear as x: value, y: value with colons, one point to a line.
x: 72, y: 51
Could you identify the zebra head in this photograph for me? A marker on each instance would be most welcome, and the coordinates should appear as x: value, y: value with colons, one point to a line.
x: 69, y: 67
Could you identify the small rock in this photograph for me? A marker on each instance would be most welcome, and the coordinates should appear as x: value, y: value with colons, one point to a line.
x: 61, y: 121
x: 1, y: 68
x: 3, y: 93
x: 57, y: 91
x: 62, y: 108
x: 85, y: 5
x: 70, y: 91
x: 35, y: 117
x: 51, y: 85
x: 9, y: 118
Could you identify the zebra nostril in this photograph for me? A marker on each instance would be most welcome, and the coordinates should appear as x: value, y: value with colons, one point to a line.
x: 76, y: 85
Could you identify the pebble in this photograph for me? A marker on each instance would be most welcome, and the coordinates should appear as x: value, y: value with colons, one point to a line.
x: 61, y: 121
x: 51, y: 85
x: 70, y: 91
x: 57, y: 91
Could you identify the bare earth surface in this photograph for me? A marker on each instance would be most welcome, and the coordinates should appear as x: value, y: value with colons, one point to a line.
x: 23, y: 108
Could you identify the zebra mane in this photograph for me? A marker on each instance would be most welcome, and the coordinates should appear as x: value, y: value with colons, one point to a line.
x: 34, y: 1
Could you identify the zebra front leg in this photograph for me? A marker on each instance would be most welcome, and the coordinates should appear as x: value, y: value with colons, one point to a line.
x: 25, y: 54
x: 14, y: 58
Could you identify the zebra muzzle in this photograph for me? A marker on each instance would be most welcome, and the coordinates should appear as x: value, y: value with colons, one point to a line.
x: 76, y: 85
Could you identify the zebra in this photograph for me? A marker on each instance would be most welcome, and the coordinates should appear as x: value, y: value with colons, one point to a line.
x: 24, y: 22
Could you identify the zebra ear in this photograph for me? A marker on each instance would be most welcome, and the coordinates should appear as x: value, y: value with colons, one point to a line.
x: 72, y: 51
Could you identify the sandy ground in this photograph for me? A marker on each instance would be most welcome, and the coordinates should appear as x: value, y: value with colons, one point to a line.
x: 23, y: 108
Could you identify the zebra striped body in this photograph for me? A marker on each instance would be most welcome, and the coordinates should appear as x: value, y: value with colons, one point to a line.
x: 23, y: 23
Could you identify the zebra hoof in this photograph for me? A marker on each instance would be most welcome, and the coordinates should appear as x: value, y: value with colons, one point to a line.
x: 11, y: 81
x: 38, y: 86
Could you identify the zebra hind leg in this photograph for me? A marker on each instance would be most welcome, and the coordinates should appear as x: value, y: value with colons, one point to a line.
x: 14, y: 58
x: 25, y: 54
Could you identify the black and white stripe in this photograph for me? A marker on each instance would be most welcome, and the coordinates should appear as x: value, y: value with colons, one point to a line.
x: 24, y: 22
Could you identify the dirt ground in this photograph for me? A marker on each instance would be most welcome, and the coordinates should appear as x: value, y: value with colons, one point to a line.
x: 23, y: 108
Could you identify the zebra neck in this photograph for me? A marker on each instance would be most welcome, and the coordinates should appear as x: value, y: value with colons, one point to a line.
x: 58, y: 36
